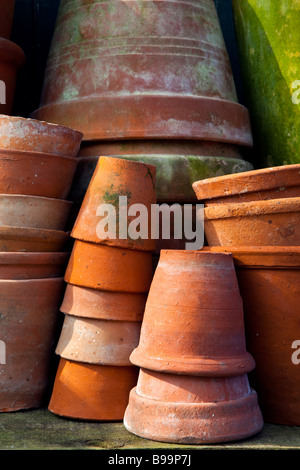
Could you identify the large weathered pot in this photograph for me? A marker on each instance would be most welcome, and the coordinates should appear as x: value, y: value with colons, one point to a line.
x: 28, y: 328
x: 103, y: 305
x: 34, y: 212
x: 193, y: 322
x: 18, y: 133
x: 274, y: 222
x: 268, y: 40
x: 92, y: 392
x: 32, y: 239
x: 7, y: 9
x: 269, y: 281
x: 142, y: 69
x: 12, y: 58
x: 192, y: 410
x: 32, y: 265
x: 256, y: 185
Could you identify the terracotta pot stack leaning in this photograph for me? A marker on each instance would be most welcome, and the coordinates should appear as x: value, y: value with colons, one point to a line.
x: 256, y: 217
x: 193, y: 386
x: 33, y: 257
x: 108, y: 278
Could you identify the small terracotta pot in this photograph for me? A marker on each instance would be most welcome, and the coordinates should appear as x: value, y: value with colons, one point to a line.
x: 12, y: 58
x: 29, y: 321
x: 18, y: 133
x: 32, y: 265
x: 31, y: 239
x: 193, y: 322
x: 112, y: 178
x: 101, y: 305
x: 7, y: 10
x: 256, y: 185
x: 92, y: 392
x: 109, y: 268
x: 36, y: 174
x: 192, y: 410
x: 93, y: 341
x: 34, y: 212
x: 269, y: 280
x: 274, y: 222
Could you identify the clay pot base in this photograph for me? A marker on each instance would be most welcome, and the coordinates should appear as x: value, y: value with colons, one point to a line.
x: 92, y: 392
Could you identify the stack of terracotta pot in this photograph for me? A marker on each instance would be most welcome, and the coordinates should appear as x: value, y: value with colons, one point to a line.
x: 193, y: 386
x: 148, y: 81
x: 108, y: 280
x: 256, y: 217
x: 35, y: 177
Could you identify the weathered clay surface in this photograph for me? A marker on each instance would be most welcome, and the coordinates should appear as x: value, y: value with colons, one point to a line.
x: 31, y: 239
x: 12, y: 58
x: 32, y: 265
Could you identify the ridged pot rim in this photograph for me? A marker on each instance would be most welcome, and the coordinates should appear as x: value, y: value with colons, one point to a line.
x: 246, y: 182
x: 11, y: 53
x: 48, y: 280
x: 10, y: 153
x: 33, y: 198
x: 13, y: 232
x: 29, y: 258
x: 252, y: 208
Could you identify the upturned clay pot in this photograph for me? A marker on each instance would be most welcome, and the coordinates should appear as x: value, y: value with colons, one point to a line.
x: 92, y: 392
x: 193, y: 322
x: 34, y: 212
x: 192, y: 410
x: 12, y: 58
x: 7, y: 10
x: 32, y: 239
x: 29, y: 322
x: 145, y: 70
x: 109, y: 268
x: 101, y: 305
x: 269, y: 281
x: 267, y: 183
x: 32, y: 265
x: 18, y: 133
x: 36, y: 174
x: 274, y: 222
x: 93, y: 341
x: 114, y: 178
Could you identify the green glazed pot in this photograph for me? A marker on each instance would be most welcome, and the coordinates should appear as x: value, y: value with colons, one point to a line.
x: 268, y: 36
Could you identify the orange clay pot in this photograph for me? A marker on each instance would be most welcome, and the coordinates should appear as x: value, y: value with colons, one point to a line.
x: 18, y: 133
x: 36, y: 174
x: 194, y: 298
x: 32, y: 265
x: 12, y: 58
x: 7, y: 9
x: 114, y: 177
x: 98, y: 341
x: 101, y: 305
x: 92, y: 392
x: 274, y: 222
x: 109, y: 268
x: 192, y: 410
x: 29, y: 322
x: 256, y: 185
x: 31, y: 239
x: 34, y: 212
x: 269, y: 280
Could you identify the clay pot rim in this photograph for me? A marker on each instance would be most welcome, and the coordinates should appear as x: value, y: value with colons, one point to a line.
x: 12, y: 232
x: 29, y: 153
x: 47, y: 280
x: 236, y: 183
x: 26, y: 257
x: 43, y: 199
x: 128, y: 161
x: 11, y: 53
x: 252, y: 208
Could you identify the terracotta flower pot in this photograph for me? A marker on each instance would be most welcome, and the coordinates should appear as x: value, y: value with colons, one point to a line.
x: 36, y: 174
x: 269, y: 223
x: 29, y: 321
x: 31, y: 239
x: 157, y: 70
x: 12, y: 58
x: 267, y: 183
x: 193, y: 322
x: 269, y: 280
x: 98, y: 341
x: 7, y: 10
x: 192, y: 410
x: 112, y: 178
x: 34, y: 212
x: 109, y: 268
x: 101, y: 305
x: 92, y: 392
x: 32, y: 265
x: 18, y: 133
